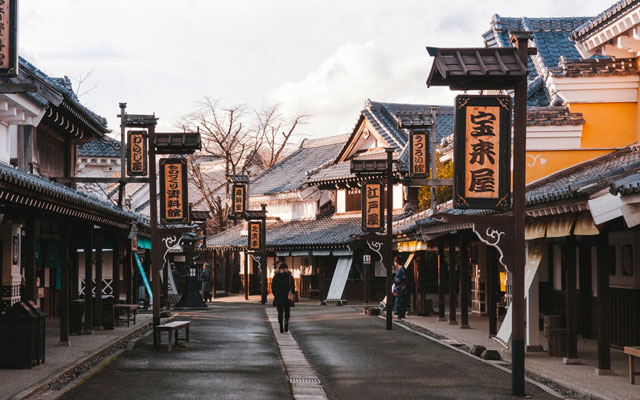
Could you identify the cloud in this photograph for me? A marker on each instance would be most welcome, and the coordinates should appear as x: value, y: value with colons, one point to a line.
x: 336, y: 90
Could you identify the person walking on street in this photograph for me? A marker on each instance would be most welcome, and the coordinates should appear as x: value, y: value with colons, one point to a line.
x: 206, y: 282
x: 399, y: 289
x: 281, y: 285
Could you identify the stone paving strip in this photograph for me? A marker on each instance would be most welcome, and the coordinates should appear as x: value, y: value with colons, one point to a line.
x: 304, y: 380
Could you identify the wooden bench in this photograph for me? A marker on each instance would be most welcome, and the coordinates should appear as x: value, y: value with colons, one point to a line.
x: 170, y: 327
x: 129, y: 308
x: 632, y: 352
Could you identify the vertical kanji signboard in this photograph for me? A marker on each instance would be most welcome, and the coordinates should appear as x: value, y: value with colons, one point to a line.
x: 418, y: 155
x: 372, y: 206
x: 137, y: 153
x: 239, y: 199
x: 256, y: 236
x: 482, y: 152
x: 8, y: 38
x: 174, y: 200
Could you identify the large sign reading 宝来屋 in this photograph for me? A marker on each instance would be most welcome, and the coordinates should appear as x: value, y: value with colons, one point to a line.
x: 256, y: 236
x: 8, y: 38
x: 239, y: 199
x: 372, y: 206
x: 136, y: 153
x: 174, y: 200
x: 418, y: 155
x: 482, y: 159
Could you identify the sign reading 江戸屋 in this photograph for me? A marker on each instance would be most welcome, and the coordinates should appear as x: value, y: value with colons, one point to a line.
x: 239, y: 199
x: 8, y: 38
x: 256, y: 236
x: 174, y: 200
x: 372, y: 206
x: 418, y: 155
x: 482, y: 152
x: 136, y: 153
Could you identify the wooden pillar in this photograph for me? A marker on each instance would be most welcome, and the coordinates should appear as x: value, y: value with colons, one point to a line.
x: 146, y: 266
x: 366, y: 271
x: 464, y: 282
x: 492, y: 289
x: 453, y: 296
x: 31, y: 291
x: 115, y: 269
x: 604, y: 305
x: 88, y: 277
x: 441, y: 280
x: 127, y: 270
x: 417, y: 303
x: 65, y: 265
x: 586, y: 293
x: 571, y: 306
x: 74, y: 272
x: 98, y: 310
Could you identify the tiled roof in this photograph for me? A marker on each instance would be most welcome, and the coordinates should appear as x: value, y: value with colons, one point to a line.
x: 596, y: 67
x: 582, y: 179
x: 100, y: 147
x: 40, y: 186
x: 63, y: 85
x: 550, y: 37
x: 323, y: 232
x: 336, y: 171
x: 543, y: 116
x: 610, y: 14
x: 291, y: 173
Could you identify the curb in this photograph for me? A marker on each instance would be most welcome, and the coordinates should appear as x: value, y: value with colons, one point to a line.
x: 99, y: 353
x: 557, y: 382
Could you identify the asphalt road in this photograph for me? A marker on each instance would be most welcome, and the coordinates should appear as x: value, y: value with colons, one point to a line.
x: 233, y: 355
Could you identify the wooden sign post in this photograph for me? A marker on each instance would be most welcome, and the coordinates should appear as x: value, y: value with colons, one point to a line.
x: 372, y: 206
x: 174, y: 193
x: 418, y: 155
x: 137, y: 153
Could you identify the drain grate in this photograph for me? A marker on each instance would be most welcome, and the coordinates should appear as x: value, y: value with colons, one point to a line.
x: 304, y: 380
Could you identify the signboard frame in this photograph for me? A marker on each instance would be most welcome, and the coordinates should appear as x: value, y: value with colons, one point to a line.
x: 184, y: 195
x: 501, y: 197
x: 366, y: 227
x: 234, y: 191
x: 145, y: 149
x: 260, y: 224
x: 413, y: 135
x: 9, y: 30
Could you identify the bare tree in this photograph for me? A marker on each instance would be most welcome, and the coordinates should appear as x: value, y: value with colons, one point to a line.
x: 238, y: 138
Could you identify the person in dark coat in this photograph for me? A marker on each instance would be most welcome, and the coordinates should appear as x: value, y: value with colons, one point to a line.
x: 206, y: 282
x: 281, y: 285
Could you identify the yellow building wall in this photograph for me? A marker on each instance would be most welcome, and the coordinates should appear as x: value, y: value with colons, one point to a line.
x: 543, y: 163
x: 607, y: 124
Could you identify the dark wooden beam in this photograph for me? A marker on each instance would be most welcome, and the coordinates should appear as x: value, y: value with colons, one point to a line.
x: 115, y: 271
x: 604, y: 303
x: 492, y: 289
x: 464, y: 282
x: 65, y: 266
x: 571, y: 305
x: 586, y: 294
x: 127, y: 271
x: 88, y: 277
x: 442, y: 279
x: 31, y: 291
x: 453, y: 297
x: 98, y: 310
x: 89, y: 179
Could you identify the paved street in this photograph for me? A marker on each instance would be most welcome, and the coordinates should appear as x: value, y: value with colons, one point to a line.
x: 234, y: 355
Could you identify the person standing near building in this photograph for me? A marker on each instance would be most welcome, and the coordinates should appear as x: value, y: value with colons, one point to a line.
x: 399, y: 289
x: 206, y: 282
x: 281, y: 285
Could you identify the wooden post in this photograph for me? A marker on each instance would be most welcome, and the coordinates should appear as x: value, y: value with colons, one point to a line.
x: 452, y: 281
x: 464, y: 282
x: 586, y: 293
x: 127, y: 271
x: 115, y: 272
x: 246, y: 275
x: 98, y: 311
x: 65, y: 265
x: 88, y: 278
x: 366, y: 272
x: 388, y: 250
x: 441, y: 281
x: 416, y: 287
x: 165, y: 283
x: 156, y: 244
x: 571, y: 309
x: 604, y: 304
x: 492, y: 289
x: 31, y: 291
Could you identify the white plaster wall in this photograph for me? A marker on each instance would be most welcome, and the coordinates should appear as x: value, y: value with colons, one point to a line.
x: 5, y: 144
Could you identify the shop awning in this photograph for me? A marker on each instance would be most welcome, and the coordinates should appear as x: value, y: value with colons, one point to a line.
x: 535, y: 230
x: 586, y: 226
x: 411, y: 246
x: 339, y: 279
x: 144, y: 242
x: 560, y: 226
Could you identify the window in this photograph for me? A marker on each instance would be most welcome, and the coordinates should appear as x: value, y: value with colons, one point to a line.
x: 627, y: 260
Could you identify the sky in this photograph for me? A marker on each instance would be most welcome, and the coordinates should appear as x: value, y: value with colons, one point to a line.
x: 321, y: 58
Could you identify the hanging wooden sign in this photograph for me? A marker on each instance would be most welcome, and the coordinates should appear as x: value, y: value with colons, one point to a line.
x: 174, y: 199
x: 418, y: 154
x: 256, y: 236
x: 239, y: 199
x: 8, y: 38
x: 137, y: 153
x: 482, y: 160
x: 372, y: 206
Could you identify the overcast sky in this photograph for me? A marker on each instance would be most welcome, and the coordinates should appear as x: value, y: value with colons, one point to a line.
x: 323, y: 58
